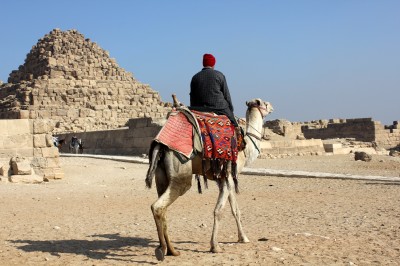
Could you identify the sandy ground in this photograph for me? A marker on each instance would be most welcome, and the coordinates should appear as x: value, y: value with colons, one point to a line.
x: 100, y: 215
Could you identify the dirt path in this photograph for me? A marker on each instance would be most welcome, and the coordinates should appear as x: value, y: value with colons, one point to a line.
x: 100, y: 215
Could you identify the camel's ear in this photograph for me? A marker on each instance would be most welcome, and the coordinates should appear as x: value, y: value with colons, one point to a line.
x: 258, y: 102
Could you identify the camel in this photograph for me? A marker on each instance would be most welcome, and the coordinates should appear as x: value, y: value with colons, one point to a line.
x: 174, y: 178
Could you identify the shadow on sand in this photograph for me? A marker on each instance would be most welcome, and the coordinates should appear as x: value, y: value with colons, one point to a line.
x: 108, y: 249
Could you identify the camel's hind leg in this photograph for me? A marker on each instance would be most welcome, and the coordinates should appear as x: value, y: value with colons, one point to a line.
x: 226, y: 192
x: 168, y: 192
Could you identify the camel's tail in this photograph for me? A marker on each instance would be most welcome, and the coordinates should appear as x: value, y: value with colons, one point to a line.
x: 154, y: 156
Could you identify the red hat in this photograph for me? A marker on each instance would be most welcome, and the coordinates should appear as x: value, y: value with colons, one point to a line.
x: 208, y: 60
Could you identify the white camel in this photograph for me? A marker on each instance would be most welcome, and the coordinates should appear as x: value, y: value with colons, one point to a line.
x: 174, y: 178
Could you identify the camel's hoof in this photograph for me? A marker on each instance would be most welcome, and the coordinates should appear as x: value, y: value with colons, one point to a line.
x: 244, y: 240
x: 216, y: 249
x: 159, y: 254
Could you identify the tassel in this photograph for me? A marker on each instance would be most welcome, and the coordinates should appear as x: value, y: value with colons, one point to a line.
x: 198, y: 184
x: 213, y: 168
x: 235, y: 177
x: 234, y: 170
x: 236, y: 182
x: 204, y: 170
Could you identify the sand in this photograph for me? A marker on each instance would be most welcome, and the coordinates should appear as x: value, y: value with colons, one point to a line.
x: 99, y: 214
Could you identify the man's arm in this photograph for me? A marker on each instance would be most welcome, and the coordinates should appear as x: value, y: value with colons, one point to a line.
x: 226, y: 93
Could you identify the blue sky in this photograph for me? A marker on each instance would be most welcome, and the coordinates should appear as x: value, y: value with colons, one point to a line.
x: 312, y: 59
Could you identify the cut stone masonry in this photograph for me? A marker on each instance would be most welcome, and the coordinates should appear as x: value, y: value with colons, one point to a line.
x: 74, y: 82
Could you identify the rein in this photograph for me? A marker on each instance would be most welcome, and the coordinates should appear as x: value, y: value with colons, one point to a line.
x: 250, y: 135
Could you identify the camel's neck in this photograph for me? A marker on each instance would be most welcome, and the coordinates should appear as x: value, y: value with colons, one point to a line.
x: 253, y: 135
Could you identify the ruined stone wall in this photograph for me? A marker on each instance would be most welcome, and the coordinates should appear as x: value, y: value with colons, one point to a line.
x: 133, y: 140
x: 388, y: 136
x: 74, y: 82
x: 31, y: 140
x: 361, y: 129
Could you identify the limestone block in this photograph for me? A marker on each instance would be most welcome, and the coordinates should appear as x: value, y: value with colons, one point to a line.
x: 25, y: 151
x: 18, y: 127
x: 24, y: 114
x: 39, y: 162
x: 53, y: 162
x: 142, y: 142
x: 27, y: 179
x: 50, y: 152
x: 42, y: 126
x: 5, y: 170
x: 49, y: 140
x: 39, y: 141
x: 21, y: 166
x: 138, y: 123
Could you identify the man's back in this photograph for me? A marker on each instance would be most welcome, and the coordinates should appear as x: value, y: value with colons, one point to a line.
x: 208, y: 89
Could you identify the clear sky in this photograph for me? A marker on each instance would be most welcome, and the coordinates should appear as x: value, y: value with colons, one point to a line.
x: 312, y: 59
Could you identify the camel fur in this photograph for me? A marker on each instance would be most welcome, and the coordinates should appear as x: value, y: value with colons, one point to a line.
x: 174, y: 178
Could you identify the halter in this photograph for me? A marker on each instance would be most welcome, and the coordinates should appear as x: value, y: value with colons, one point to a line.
x: 251, y: 135
x: 259, y: 109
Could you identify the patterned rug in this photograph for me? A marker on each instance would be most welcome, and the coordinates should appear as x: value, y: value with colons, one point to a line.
x: 217, y: 133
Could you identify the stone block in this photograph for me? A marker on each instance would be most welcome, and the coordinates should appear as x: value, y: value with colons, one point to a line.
x: 53, y: 162
x: 139, y: 122
x: 18, y: 127
x: 49, y: 140
x: 42, y: 126
x: 21, y: 166
x: 146, y: 132
x: 39, y: 141
x: 27, y: 179
x: 142, y: 142
x: 50, y: 152
x: 5, y: 170
x: 24, y: 114
x: 25, y: 151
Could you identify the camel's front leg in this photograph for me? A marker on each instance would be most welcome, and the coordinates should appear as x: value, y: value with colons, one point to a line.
x: 236, y: 213
x: 222, y: 197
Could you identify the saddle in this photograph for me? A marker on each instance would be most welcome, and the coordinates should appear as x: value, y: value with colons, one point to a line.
x: 191, y: 132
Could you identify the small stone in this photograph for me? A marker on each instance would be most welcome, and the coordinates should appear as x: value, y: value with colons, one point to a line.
x: 276, y: 249
x: 203, y: 225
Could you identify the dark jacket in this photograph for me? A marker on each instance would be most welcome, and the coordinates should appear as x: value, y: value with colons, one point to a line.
x: 209, y: 93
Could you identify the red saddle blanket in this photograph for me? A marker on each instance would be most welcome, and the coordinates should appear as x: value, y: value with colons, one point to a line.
x: 177, y: 134
x: 217, y: 133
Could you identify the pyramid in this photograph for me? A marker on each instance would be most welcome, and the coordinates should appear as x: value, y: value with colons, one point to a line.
x: 74, y: 82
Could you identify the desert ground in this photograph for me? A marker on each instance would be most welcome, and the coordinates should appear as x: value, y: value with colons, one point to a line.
x: 99, y: 214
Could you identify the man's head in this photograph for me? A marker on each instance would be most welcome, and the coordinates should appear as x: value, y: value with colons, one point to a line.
x: 208, y: 60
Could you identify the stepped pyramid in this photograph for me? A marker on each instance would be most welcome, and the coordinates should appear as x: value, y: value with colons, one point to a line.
x: 74, y: 82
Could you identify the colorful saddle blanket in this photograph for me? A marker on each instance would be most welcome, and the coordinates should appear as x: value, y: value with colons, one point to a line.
x: 217, y: 133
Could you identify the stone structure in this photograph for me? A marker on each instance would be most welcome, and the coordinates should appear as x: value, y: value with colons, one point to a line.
x: 75, y: 83
x: 287, y: 147
x: 132, y: 140
x: 26, y: 144
x: 361, y: 129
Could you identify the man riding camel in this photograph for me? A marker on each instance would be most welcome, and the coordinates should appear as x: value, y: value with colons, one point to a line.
x: 209, y: 92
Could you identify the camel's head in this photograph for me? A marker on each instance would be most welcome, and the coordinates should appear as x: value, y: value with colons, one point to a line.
x: 264, y: 107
